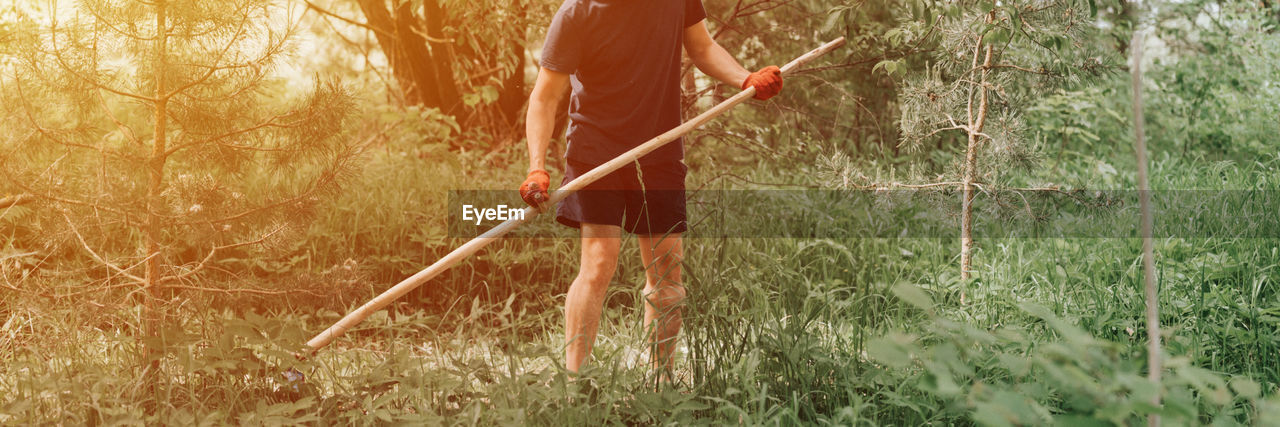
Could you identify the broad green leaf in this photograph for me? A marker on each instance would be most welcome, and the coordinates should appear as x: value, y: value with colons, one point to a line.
x: 997, y: 36
x: 833, y: 18
x: 890, y: 350
x: 912, y: 294
x: 1246, y: 387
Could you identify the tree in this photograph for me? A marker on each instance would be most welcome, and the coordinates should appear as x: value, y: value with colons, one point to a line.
x: 151, y: 135
x: 1217, y: 68
x: 441, y: 59
x: 837, y: 106
x: 989, y: 61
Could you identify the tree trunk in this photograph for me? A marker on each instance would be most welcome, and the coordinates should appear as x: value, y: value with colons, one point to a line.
x: 154, y: 315
x: 448, y: 98
x: 425, y: 78
x: 512, y: 97
x: 975, y: 124
x: 422, y: 61
x: 1148, y: 250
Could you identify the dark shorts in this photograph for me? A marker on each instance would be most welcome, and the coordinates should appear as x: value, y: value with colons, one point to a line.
x: 644, y: 200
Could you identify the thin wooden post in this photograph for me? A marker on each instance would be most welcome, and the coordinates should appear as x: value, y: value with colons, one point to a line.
x: 1148, y: 249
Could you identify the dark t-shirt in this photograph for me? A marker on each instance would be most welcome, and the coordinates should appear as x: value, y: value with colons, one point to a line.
x: 624, y: 60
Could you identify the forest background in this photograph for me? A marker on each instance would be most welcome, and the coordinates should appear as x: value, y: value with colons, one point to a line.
x: 190, y: 190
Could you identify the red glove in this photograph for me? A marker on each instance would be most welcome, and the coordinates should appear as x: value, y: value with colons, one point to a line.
x: 767, y: 81
x: 534, y: 189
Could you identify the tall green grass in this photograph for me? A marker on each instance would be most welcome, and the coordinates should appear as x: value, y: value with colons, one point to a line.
x: 777, y: 330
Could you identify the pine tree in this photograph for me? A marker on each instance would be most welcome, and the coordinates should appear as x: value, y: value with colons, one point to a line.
x: 989, y: 62
x: 155, y: 139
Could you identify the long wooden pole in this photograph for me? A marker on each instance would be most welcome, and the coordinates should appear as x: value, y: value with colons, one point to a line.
x: 377, y: 303
x: 1150, y: 288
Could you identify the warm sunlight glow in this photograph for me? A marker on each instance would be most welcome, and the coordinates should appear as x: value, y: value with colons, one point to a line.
x: 624, y: 212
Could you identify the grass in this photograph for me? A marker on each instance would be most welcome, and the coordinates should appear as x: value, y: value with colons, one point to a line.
x: 777, y: 331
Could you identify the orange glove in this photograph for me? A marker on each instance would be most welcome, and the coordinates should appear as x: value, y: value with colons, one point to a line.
x: 767, y: 81
x: 534, y: 189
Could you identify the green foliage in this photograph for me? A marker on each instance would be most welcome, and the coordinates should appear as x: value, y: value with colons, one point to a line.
x: 790, y: 331
x: 1003, y: 376
x: 1214, y: 90
x: 840, y: 104
x: 856, y: 331
x: 988, y: 66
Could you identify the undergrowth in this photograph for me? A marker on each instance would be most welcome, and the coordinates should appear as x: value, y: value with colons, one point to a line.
x: 777, y: 331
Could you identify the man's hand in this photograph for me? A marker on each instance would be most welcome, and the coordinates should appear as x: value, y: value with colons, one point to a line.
x: 767, y: 81
x: 534, y: 189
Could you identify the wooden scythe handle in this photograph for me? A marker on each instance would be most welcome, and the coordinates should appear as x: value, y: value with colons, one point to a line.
x: 377, y: 303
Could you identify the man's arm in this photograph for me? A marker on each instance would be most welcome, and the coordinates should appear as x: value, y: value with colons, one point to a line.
x: 539, y: 123
x: 716, y: 62
x: 710, y: 57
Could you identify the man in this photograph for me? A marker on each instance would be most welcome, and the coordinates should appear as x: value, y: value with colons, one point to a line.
x: 622, y: 59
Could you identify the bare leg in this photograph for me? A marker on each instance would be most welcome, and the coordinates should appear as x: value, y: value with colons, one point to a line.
x: 585, y: 300
x: 664, y: 295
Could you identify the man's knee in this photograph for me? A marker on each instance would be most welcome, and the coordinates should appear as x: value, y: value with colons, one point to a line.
x: 663, y: 257
x: 600, y: 246
x: 668, y: 296
x: 665, y: 269
x: 597, y: 271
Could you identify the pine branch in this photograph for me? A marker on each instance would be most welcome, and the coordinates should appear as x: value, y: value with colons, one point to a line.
x: 890, y: 185
x: 940, y: 130
x: 212, y: 69
x: 99, y: 19
x: 11, y: 288
x: 121, y: 271
x: 124, y: 130
x: 14, y: 256
x: 332, y: 171
x: 214, y: 250
x: 364, y: 53
x: 1041, y: 71
x: 16, y: 200
x: 57, y: 54
x: 986, y: 188
x: 242, y: 290
x: 39, y: 195
x: 740, y: 178
x: 270, y: 122
x: 47, y: 133
x: 97, y: 289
